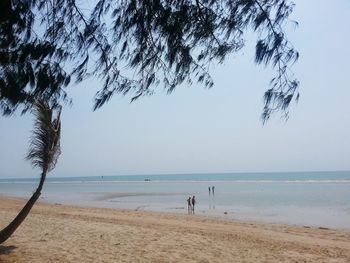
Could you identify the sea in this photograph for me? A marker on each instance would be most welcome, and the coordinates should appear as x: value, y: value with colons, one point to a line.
x: 318, y: 199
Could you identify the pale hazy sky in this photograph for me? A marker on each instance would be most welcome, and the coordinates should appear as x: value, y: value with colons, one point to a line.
x: 218, y: 130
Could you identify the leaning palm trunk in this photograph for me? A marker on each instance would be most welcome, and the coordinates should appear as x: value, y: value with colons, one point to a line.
x: 11, y: 228
x: 44, y: 151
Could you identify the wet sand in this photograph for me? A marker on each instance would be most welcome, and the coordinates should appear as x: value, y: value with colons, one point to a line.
x: 57, y: 233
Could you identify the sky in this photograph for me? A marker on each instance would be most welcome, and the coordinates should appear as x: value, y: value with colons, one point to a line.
x: 196, y: 130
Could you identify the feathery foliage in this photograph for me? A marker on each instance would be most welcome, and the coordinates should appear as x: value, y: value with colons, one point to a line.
x: 133, y: 46
x: 44, y: 148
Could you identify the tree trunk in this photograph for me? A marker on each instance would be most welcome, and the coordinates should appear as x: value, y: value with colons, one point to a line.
x: 8, y: 231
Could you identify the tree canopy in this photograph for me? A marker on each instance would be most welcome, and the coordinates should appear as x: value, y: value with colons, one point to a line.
x: 134, y: 46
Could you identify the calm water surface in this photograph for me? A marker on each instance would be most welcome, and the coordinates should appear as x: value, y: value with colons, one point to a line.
x: 315, y: 199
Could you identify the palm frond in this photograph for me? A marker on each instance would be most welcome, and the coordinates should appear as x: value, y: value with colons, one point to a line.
x: 44, y: 148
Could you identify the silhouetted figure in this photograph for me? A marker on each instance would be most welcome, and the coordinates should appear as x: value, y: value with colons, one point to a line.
x: 209, y: 189
x: 189, y: 205
x: 212, y: 190
x: 193, y: 203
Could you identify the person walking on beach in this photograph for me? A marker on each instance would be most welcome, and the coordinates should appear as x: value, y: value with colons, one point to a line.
x: 193, y: 203
x: 209, y: 189
x: 212, y: 189
x: 189, y: 204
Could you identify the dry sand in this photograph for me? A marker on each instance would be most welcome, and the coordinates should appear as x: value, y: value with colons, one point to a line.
x: 57, y: 233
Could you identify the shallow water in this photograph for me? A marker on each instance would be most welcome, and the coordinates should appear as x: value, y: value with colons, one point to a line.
x: 314, y: 199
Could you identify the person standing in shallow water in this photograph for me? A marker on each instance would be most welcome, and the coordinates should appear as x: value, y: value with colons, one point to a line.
x: 189, y: 204
x: 193, y: 203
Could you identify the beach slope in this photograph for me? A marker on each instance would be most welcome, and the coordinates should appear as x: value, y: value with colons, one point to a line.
x: 57, y: 233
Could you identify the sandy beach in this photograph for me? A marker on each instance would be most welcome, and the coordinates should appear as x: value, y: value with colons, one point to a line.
x: 57, y: 233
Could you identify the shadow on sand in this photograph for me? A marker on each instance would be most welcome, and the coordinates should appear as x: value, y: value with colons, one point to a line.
x: 6, y: 250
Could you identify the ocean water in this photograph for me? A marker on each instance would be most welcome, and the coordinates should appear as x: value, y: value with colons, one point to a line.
x: 320, y: 199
